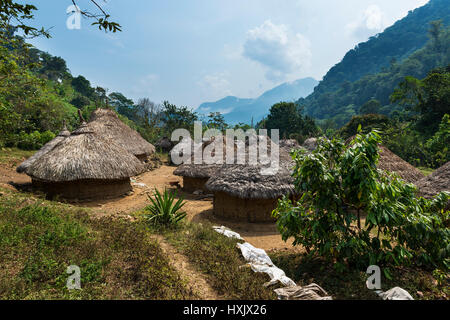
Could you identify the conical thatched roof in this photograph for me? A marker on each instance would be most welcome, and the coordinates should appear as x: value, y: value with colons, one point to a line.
x: 207, y: 170
x: 247, y: 182
x: 391, y: 162
x: 85, y: 155
x: 435, y: 183
x: 204, y: 170
x: 46, y: 148
x: 107, y: 123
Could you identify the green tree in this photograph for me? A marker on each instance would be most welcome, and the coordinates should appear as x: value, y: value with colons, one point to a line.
x: 216, y: 121
x: 370, y: 107
x: 286, y: 116
x: 338, y: 184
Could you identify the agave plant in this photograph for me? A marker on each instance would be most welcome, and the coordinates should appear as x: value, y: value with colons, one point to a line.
x: 164, y: 210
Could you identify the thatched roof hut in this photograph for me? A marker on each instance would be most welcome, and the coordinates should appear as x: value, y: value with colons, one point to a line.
x: 46, y: 148
x: 242, y: 192
x: 195, y: 175
x: 107, y: 123
x: 436, y: 182
x: 245, y: 192
x: 85, y: 165
x: 391, y: 162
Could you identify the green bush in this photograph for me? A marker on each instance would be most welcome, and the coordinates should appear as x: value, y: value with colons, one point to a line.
x: 164, y: 210
x: 339, y: 185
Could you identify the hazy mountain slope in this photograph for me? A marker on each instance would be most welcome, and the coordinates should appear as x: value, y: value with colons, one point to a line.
x: 242, y: 110
x: 392, y: 46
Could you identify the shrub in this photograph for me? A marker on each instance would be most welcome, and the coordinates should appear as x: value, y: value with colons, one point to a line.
x: 164, y: 210
x: 338, y: 185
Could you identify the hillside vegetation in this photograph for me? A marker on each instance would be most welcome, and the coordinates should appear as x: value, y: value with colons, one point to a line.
x: 374, y: 68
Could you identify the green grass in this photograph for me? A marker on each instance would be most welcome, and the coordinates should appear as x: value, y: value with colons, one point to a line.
x: 14, y: 156
x: 426, y: 171
x: 118, y: 258
x: 220, y: 260
x: 351, y: 285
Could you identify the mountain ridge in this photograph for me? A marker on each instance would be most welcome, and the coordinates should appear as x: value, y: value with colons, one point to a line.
x: 237, y: 109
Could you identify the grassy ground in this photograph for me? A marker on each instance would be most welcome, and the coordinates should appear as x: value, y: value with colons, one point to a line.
x: 14, y: 156
x: 118, y: 260
x: 426, y: 171
x: 352, y: 284
x: 220, y: 260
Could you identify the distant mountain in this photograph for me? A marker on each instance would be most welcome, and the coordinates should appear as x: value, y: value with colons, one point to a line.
x: 379, y: 54
x: 237, y: 110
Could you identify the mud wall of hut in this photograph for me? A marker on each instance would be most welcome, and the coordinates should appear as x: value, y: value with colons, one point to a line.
x: 249, y: 210
x: 85, y: 190
x: 194, y: 184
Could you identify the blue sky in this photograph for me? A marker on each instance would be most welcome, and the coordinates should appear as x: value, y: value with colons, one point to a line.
x: 194, y: 51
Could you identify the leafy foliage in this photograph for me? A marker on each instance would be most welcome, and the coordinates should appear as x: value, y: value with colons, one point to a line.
x: 164, y: 210
x: 339, y: 186
x: 287, y: 117
x: 364, y: 74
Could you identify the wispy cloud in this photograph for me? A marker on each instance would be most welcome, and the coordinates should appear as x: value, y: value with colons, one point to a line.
x: 279, y: 50
x: 215, y: 85
x: 370, y: 22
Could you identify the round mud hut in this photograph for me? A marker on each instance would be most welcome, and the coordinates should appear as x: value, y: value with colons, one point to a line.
x: 195, y: 175
x: 243, y: 193
x: 85, y: 166
x: 46, y: 148
x: 436, y: 182
x: 107, y: 123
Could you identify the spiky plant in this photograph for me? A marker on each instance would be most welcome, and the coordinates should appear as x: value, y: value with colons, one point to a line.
x: 164, y: 210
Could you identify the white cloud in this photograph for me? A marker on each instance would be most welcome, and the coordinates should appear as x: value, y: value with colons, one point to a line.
x: 215, y: 85
x: 281, y: 52
x: 145, y: 85
x: 372, y: 21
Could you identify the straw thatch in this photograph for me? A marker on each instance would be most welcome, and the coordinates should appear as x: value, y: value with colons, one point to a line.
x: 247, y: 182
x: 436, y: 182
x: 203, y: 170
x: 85, y: 155
x: 85, y: 165
x: 391, y: 162
x: 310, y: 144
x: 107, y: 123
x: 196, y: 175
x: 46, y: 148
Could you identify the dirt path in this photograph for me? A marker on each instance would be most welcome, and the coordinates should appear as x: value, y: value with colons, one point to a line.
x: 195, y: 281
x: 261, y: 235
